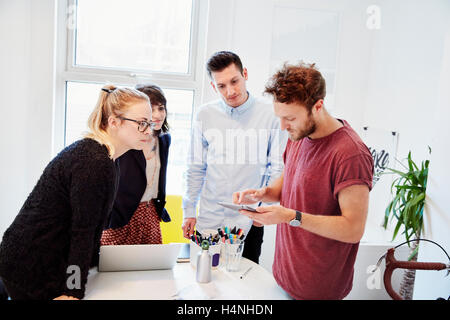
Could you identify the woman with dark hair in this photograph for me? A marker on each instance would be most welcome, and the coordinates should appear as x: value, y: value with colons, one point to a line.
x: 139, y: 205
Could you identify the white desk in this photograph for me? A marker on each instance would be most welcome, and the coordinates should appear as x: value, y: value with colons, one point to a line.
x: 180, y: 283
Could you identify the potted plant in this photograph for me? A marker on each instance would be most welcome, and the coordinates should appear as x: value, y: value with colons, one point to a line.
x: 406, y: 207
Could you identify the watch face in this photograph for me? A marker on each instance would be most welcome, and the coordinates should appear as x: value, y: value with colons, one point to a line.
x: 294, y: 223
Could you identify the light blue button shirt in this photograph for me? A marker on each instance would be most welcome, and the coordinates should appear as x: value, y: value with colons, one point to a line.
x: 231, y: 149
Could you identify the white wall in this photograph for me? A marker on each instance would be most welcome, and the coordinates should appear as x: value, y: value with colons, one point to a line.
x: 434, y: 284
x: 26, y: 88
x: 404, y: 71
x: 14, y: 83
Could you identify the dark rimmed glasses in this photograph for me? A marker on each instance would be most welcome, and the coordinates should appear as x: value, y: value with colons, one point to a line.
x: 142, y: 124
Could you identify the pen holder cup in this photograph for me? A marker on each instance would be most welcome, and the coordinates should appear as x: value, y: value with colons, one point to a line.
x: 233, y: 255
x: 214, y: 251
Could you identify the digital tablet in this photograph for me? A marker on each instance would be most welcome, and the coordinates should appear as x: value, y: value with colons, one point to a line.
x: 236, y: 207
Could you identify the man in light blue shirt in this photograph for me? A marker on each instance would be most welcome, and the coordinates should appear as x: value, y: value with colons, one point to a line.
x: 236, y: 143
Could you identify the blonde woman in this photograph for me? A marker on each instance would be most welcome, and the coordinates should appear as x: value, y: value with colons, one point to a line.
x: 47, y: 251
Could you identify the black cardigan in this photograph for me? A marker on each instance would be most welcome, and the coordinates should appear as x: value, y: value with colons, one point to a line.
x: 133, y: 182
x: 60, y: 223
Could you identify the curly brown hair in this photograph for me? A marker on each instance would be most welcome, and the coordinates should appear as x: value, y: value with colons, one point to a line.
x: 301, y: 83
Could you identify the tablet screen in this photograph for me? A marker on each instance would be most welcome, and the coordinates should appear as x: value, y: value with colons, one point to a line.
x: 236, y: 207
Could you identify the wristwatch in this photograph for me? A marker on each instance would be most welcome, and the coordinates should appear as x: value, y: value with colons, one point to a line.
x: 297, y: 221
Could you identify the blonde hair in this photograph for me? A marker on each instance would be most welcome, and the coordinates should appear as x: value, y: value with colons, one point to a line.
x: 112, y: 101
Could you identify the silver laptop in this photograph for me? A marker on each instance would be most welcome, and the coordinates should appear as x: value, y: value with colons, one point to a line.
x: 138, y: 257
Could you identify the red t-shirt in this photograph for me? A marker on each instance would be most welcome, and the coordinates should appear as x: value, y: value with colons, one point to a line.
x: 306, y: 265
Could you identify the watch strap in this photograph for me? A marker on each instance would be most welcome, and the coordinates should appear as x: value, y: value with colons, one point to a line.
x: 298, y: 216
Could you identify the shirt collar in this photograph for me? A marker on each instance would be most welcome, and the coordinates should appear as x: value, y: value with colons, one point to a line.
x: 241, y: 109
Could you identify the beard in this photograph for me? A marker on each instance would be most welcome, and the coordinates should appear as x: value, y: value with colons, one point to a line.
x: 310, y: 128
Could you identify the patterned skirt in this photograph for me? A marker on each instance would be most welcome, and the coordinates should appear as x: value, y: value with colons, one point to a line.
x: 143, y: 228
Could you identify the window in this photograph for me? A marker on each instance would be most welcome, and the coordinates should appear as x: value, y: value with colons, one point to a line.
x: 130, y: 42
x: 143, y: 35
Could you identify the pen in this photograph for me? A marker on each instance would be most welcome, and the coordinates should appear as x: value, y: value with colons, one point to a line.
x: 245, y: 273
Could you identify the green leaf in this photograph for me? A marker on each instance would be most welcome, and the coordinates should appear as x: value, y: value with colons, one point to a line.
x: 411, y: 162
x: 401, y: 174
x: 397, y: 227
x: 408, y: 187
x: 418, y: 198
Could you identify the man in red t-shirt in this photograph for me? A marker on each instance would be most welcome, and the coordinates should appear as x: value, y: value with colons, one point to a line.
x: 323, y: 192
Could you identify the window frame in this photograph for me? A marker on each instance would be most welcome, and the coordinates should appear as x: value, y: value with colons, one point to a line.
x: 66, y: 71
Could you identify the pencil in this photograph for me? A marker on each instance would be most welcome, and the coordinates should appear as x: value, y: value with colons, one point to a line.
x: 245, y: 273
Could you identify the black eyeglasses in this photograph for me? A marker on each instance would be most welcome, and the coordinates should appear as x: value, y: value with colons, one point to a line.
x: 142, y: 125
